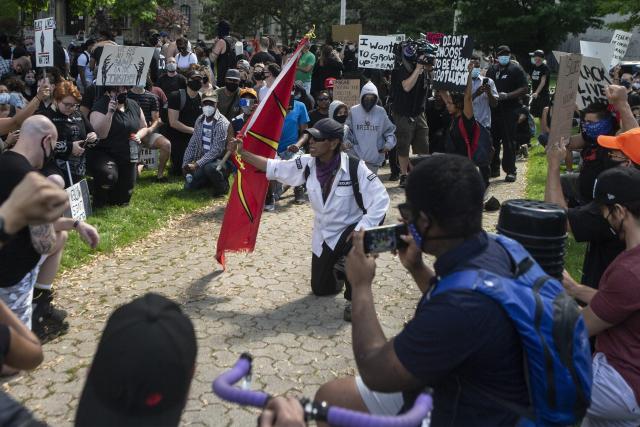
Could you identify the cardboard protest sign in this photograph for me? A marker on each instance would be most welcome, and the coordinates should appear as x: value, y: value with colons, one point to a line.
x: 594, y: 78
x: 376, y: 52
x: 149, y: 157
x: 619, y: 46
x: 43, y: 39
x: 565, y: 98
x: 347, y: 91
x: 434, y: 38
x: 124, y: 65
x: 452, y: 60
x: 349, y: 32
x: 79, y: 201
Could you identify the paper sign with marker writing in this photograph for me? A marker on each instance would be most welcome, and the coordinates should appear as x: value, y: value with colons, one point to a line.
x: 43, y: 39
x: 79, y: 201
x: 124, y: 65
x: 452, y: 60
x: 376, y: 52
x: 347, y: 91
x: 619, y: 45
x: 149, y: 157
x: 594, y: 78
x: 565, y: 97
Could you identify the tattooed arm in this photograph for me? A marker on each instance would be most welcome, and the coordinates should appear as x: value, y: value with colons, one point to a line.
x: 43, y: 238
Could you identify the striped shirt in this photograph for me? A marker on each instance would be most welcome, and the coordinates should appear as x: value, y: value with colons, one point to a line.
x: 196, y: 151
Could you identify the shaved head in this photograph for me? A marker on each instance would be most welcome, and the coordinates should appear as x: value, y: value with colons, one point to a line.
x: 37, y: 139
x: 38, y: 126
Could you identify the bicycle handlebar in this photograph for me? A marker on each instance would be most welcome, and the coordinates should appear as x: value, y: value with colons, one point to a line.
x: 335, y: 416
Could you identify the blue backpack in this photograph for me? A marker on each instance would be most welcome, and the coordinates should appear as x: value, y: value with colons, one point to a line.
x: 553, y: 333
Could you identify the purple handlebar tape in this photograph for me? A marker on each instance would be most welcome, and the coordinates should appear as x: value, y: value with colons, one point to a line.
x: 223, y: 386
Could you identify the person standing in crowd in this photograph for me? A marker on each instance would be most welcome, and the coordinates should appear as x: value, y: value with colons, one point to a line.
x: 263, y: 54
x: 338, y: 111
x: 485, y: 95
x: 149, y: 105
x: 273, y: 50
x: 540, y: 79
x: 270, y: 73
x: 409, y: 93
x: 228, y: 97
x: 328, y: 65
x: 202, y: 164
x: 184, y: 108
x: 258, y: 76
x: 120, y: 125
x: 456, y: 339
x: 248, y: 104
x: 322, y: 108
x: 223, y: 53
x: 305, y: 67
x: 371, y: 134
x: 613, y: 311
x: 511, y: 83
x: 85, y: 74
x: 172, y: 81
x: 327, y: 174
x: 75, y: 134
x: 185, y: 58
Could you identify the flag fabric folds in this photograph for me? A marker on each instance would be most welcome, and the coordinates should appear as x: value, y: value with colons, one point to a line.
x: 260, y: 135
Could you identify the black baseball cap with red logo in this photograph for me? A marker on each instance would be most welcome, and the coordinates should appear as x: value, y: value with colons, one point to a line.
x: 143, y: 367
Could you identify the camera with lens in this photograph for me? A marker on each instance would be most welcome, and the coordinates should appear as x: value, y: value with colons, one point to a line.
x: 416, y: 51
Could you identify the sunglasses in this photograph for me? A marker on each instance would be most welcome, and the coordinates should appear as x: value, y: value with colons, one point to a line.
x: 322, y: 99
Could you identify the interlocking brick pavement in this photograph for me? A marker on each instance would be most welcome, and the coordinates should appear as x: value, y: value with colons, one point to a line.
x: 262, y: 304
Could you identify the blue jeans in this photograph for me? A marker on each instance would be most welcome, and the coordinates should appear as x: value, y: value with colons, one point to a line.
x: 208, y: 176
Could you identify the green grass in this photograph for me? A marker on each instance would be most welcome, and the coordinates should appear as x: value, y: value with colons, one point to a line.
x: 151, y: 206
x: 536, y: 178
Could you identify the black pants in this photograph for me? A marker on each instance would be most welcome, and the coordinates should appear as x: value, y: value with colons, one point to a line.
x: 393, y: 161
x: 113, y: 178
x: 328, y: 268
x: 208, y: 176
x: 503, y: 130
x: 179, y: 142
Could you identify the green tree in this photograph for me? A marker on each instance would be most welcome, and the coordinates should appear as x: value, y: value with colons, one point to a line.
x: 141, y: 11
x: 629, y: 9
x: 525, y: 25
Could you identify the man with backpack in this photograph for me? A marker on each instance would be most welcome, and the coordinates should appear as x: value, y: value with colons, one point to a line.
x: 81, y: 66
x: 223, y: 53
x: 473, y: 327
x: 344, y: 195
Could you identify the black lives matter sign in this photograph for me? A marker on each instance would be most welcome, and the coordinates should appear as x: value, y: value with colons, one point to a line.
x: 452, y: 60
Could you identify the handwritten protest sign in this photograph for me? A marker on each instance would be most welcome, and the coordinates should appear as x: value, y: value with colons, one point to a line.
x: 451, y: 63
x: 124, y: 65
x: 347, y: 91
x: 79, y: 201
x: 565, y: 97
x: 434, y: 38
x: 594, y: 78
x: 376, y: 52
x: 349, y: 32
x: 619, y: 46
x: 596, y: 50
x: 149, y: 157
x: 43, y: 39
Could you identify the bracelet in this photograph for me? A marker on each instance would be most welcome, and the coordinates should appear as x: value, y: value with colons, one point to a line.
x: 76, y: 223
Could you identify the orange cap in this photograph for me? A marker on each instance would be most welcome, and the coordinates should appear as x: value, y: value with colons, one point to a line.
x: 627, y: 142
x: 248, y: 91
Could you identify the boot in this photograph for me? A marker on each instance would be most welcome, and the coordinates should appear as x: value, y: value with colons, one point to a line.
x: 47, y: 321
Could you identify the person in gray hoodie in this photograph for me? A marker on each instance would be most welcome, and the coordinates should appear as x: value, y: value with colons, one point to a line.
x: 371, y: 134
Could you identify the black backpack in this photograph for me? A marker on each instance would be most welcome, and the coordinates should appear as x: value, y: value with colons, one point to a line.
x: 164, y: 110
x: 73, y: 69
x: 353, y: 172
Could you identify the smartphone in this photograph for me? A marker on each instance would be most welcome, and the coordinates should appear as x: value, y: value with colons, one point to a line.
x: 485, y: 81
x: 385, y: 238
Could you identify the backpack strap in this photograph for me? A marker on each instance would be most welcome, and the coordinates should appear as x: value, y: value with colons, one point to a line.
x: 355, y: 184
x: 519, y: 255
x: 472, y: 145
x: 464, y: 280
x: 307, y: 172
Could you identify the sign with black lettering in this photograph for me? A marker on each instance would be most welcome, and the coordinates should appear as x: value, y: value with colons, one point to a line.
x: 619, y: 45
x: 149, y: 157
x: 565, y: 98
x: 376, y: 52
x: 79, y: 201
x: 124, y: 65
x: 43, y: 39
x: 347, y: 91
x: 594, y: 78
x: 452, y: 60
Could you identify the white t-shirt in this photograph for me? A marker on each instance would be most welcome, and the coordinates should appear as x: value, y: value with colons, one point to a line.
x: 184, y: 62
x: 83, y: 62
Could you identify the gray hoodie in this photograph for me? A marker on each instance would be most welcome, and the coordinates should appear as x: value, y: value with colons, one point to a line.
x: 369, y: 132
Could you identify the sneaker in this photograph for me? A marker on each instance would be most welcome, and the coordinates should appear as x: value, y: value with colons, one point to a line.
x: 48, y: 329
x: 403, y: 181
x: 347, y: 312
x: 298, y: 194
x: 269, y: 207
x: 511, y: 177
x: 394, y: 177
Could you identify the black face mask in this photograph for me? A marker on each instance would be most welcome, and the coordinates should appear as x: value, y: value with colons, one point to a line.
x: 121, y: 98
x: 341, y: 119
x: 231, y: 87
x: 259, y: 76
x: 368, y: 104
x: 195, y: 85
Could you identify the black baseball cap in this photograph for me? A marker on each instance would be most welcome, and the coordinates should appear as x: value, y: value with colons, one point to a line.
x: 617, y: 185
x: 503, y: 49
x: 195, y: 74
x: 142, y: 369
x: 326, y: 129
x: 539, y: 53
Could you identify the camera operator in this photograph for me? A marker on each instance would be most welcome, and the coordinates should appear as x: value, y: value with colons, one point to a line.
x: 409, y: 92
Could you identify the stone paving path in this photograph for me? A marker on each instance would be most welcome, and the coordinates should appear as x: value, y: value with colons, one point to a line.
x: 261, y: 304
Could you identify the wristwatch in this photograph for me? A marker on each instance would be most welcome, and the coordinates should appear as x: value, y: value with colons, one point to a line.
x: 4, y: 236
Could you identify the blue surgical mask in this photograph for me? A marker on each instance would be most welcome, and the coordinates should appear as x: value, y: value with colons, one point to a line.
x: 594, y: 129
x: 504, y: 59
x: 475, y: 73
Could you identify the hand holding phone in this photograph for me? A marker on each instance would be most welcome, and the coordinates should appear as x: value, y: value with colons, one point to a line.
x: 385, y: 238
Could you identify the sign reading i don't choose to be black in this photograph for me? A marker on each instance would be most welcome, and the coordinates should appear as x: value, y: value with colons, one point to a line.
x: 450, y: 71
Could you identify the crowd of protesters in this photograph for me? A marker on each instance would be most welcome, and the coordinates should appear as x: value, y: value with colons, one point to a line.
x: 57, y: 123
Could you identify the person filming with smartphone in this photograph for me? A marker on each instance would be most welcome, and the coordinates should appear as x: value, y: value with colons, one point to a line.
x: 344, y: 195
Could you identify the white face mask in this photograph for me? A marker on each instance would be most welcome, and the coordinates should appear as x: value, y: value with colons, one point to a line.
x: 208, y: 110
x: 171, y: 67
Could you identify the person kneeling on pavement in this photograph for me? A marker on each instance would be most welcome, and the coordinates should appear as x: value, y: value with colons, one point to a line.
x: 344, y: 195
x: 203, y: 164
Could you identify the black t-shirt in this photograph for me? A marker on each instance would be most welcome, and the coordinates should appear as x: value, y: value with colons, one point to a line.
x: 536, y: 76
x: 457, y: 143
x: 459, y: 341
x: 170, y: 84
x: 588, y: 225
x: 316, y: 115
x: 277, y: 58
x: 508, y: 79
x: 264, y: 57
x: 70, y: 128
x: 407, y: 104
x: 89, y: 97
x: 123, y: 124
x: 147, y: 101
x: 439, y: 120
x: 17, y: 256
x: 191, y: 111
